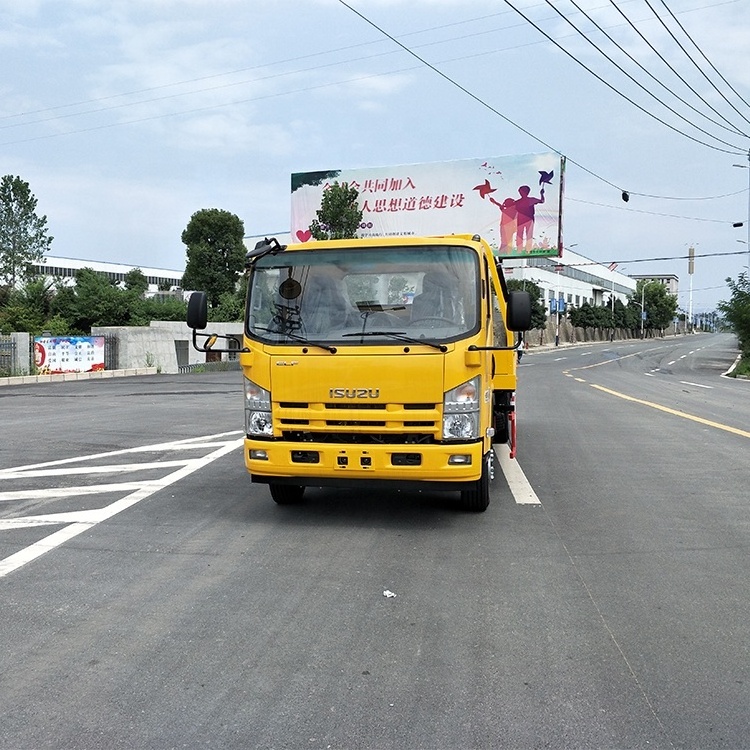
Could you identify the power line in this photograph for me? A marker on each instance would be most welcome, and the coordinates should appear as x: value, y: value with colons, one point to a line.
x: 687, y: 54
x: 650, y: 213
x: 651, y: 260
x: 736, y: 152
x: 733, y: 128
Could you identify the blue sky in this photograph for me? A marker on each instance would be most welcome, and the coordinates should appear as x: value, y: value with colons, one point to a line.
x: 127, y: 116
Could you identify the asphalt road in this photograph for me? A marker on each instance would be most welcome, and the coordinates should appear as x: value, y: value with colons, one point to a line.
x: 153, y: 598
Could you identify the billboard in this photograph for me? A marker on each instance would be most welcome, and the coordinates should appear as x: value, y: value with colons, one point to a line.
x: 54, y: 355
x: 513, y: 202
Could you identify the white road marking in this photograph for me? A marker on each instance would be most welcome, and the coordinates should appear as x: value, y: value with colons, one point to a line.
x: 697, y: 385
x: 669, y: 364
x: 109, y: 469
x: 80, y: 521
x: 522, y: 491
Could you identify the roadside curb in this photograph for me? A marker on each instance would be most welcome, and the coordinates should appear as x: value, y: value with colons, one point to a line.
x: 68, y: 376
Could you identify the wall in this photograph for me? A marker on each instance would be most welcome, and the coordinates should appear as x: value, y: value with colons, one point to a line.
x: 154, y: 345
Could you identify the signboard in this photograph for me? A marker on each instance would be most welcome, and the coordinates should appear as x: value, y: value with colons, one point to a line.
x: 513, y: 202
x: 60, y: 354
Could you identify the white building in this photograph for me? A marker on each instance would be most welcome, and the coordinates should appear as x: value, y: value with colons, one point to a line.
x: 668, y: 280
x: 572, y: 278
x: 64, y: 269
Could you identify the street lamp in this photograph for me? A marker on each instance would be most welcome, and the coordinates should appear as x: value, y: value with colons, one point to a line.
x: 612, y: 299
x: 643, y: 304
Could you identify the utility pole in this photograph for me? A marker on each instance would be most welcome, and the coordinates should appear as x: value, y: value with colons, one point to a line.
x: 557, y: 305
x: 691, y: 268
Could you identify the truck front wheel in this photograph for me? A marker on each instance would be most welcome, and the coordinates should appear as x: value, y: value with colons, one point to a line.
x: 478, y: 497
x: 287, y: 494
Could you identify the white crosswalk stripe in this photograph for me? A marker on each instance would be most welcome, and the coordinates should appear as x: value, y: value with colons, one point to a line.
x: 74, y: 522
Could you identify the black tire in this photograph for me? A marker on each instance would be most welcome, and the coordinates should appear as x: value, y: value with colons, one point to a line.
x: 287, y: 494
x: 477, y: 498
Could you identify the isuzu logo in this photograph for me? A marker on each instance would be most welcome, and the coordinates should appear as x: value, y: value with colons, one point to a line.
x: 354, y: 393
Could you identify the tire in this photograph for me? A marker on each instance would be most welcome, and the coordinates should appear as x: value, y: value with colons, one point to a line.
x: 477, y: 499
x: 287, y: 494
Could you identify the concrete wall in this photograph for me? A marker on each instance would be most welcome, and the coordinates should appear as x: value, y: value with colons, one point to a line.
x: 22, y: 363
x: 157, y: 345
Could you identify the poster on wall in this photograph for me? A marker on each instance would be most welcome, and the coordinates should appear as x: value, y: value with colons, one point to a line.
x: 54, y: 355
x: 513, y: 202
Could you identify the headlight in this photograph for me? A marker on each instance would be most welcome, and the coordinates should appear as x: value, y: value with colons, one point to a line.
x: 258, y: 419
x: 461, y: 411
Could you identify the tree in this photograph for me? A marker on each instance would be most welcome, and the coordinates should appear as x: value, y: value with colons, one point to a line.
x: 215, y: 252
x: 27, y: 308
x: 95, y: 302
x: 23, y: 234
x: 660, y: 306
x: 737, y: 311
x: 339, y: 215
x: 136, y: 282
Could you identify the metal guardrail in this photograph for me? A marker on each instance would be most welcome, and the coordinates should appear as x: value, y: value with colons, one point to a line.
x: 223, y: 366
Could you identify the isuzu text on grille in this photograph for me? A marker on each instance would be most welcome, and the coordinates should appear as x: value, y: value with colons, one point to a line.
x: 354, y: 393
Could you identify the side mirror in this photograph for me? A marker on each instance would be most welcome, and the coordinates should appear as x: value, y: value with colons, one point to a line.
x: 197, y: 311
x: 519, y: 311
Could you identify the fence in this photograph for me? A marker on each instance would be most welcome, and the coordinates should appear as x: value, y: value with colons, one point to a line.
x: 219, y: 366
x: 111, y: 353
x: 8, y: 359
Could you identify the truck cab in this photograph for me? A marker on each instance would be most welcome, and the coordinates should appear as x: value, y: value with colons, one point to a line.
x: 386, y: 362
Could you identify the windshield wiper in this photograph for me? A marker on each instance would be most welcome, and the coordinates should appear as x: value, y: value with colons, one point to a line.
x: 401, y: 336
x: 297, y: 338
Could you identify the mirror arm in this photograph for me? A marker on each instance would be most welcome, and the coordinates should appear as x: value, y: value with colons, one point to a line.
x: 206, y: 345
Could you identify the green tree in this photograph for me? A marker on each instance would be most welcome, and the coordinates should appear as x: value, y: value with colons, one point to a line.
x: 95, y: 302
x: 339, y: 215
x: 215, y: 252
x: 660, y: 306
x: 23, y: 234
x: 27, y: 308
x: 136, y: 282
x: 737, y: 311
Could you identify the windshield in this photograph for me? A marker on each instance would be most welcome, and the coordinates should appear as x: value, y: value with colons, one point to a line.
x: 364, y: 295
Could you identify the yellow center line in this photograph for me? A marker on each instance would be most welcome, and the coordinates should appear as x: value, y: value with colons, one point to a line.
x: 675, y: 412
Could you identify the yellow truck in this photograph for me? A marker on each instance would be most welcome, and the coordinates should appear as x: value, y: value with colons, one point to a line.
x: 387, y: 362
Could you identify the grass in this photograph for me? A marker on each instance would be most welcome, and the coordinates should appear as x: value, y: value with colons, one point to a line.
x: 743, y: 367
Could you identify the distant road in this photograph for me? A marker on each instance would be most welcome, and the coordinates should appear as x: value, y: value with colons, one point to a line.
x: 178, y: 606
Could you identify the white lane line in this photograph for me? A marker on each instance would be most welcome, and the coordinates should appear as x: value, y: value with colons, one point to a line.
x: 522, y: 491
x: 75, y: 470
x: 669, y: 364
x: 57, y: 492
x: 696, y: 385
x: 211, y: 441
x: 146, y: 489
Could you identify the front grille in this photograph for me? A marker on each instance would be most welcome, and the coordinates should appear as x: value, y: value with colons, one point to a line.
x: 359, y: 438
x: 378, y: 407
x: 353, y: 423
